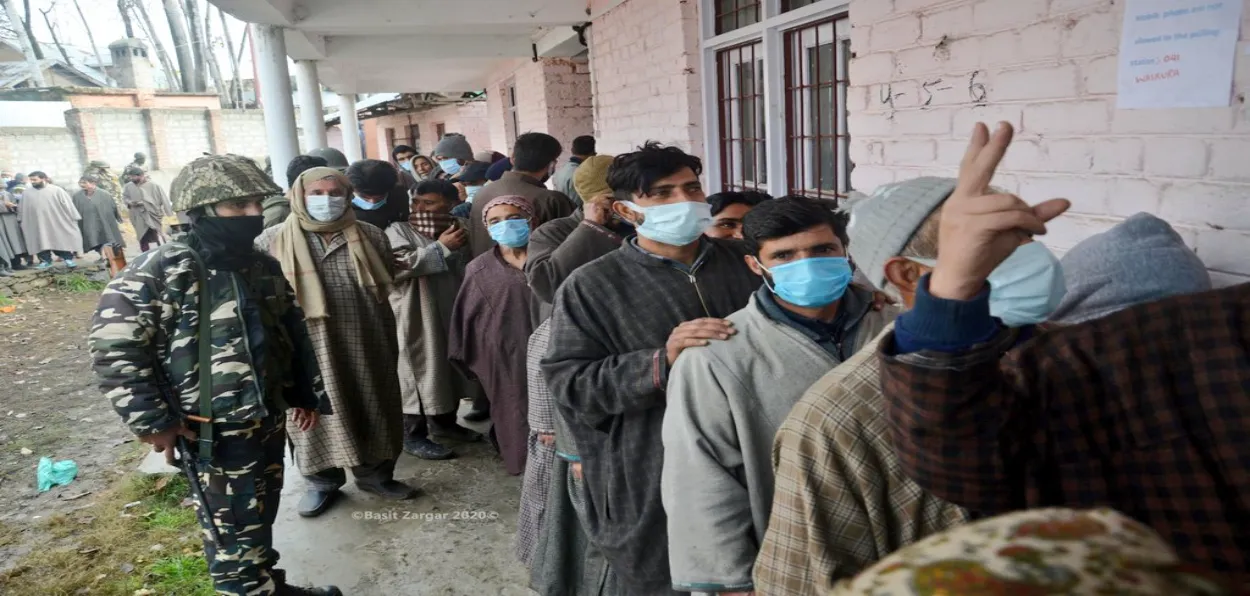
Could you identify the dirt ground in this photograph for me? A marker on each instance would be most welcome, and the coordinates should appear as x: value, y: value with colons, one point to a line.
x: 51, y: 406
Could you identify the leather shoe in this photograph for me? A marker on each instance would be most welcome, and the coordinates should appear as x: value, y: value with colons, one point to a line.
x: 315, y: 502
x: 426, y: 449
x: 289, y: 590
x: 456, y: 433
x: 389, y: 489
x: 477, y: 415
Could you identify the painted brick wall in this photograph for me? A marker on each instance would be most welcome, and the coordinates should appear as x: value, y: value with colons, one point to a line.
x: 54, y: 151
x: 468, y: 119
x: 244, y: 133
x: 553, y: 97
x: 644, y: 61
x: 926, y: 70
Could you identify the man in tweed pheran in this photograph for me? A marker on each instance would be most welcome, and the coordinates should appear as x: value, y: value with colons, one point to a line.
x: 618, y: 323
x: 1145, y: 411
x: 146, y: 340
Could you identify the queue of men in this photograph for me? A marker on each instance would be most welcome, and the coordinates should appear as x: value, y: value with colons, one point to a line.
x: 726, y: 395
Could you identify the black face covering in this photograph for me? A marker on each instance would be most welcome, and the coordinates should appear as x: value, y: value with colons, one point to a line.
x: 226, y: 242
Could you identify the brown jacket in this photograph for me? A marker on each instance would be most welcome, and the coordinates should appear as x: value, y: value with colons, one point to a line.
x: 548, y: 205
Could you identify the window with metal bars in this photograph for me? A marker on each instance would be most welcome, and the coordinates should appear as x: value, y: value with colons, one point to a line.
x: 816, y: 58
x: 789, y: 5
x: 740, y: 100
x: 735, y: 14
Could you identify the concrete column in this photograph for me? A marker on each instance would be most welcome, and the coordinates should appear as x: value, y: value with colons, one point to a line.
x: 275, y: 84
x: 311, y: 114
x: 351, y: 128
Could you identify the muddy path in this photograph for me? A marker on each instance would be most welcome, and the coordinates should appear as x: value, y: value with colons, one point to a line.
x: 50, y: 406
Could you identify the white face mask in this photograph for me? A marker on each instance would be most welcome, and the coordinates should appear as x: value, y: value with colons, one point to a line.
x: 325, y: 207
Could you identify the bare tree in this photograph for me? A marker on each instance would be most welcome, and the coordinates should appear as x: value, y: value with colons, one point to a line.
x: 182, y: 44
x: 30, y: 33
x: 52, y: 29
x: 199, y: 43
x: 123, y: 7
x: 166, y: 64
x: 99, y: 60
x: 210, y: 54
x: 236, y: 86
x: 36, y: 73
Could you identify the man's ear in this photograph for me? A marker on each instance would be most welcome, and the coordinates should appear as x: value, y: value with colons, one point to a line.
x: 754, y: 265
x: 904, y: 274
x: 624, y: 212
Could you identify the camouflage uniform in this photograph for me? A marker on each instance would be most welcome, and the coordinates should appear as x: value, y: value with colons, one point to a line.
x: 261, y: 363
x: 108, y: 182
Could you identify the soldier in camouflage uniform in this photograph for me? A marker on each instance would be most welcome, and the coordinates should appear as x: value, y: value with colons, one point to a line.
x: 108, y: 182
x: 145, y: 341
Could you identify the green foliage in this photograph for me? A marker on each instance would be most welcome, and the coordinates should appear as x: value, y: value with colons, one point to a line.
x: 78, y: 283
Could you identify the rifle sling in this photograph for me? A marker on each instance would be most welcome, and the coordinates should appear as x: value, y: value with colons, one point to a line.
x: 205, y: 342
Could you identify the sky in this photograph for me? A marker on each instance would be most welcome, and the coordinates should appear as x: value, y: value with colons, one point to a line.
x: 108, y: 27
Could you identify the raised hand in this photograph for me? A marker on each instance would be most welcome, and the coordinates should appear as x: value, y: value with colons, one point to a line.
x: 979, y: 230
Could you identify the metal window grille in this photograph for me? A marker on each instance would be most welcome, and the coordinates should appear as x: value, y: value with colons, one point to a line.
x: 816, y: 58
x: 735, y: 14
x: 740, y: 102
x: 789, y: 5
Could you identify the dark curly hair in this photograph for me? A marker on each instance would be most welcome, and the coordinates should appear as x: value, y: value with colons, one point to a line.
x: 637, y: 172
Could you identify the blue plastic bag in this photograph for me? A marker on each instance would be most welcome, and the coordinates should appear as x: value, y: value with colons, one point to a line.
x: 52, y: 474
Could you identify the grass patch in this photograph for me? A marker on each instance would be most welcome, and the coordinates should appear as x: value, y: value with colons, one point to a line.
x: 79, y: 283
x: 5, y: 300
x: 107, y: 547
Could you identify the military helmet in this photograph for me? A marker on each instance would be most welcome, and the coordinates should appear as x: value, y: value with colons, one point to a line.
x: 334, y: 158
x: 216, y: 178
x: 98, y: 163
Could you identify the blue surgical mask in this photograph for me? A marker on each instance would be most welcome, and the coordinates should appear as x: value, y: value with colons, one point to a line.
x: 512, y: 233
x: 810, y: 283
x: 451, y: 166
x: 325, y: 207
x: 470, y: 192
x: 406, y: 166
x: 366, y: 205
x: 674, y: 224
x: 1027, y: 287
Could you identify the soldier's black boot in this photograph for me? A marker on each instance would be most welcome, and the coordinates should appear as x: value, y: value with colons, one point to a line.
x: 285, y: 589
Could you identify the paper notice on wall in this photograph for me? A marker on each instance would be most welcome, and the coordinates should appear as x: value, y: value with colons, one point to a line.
x: 1178, y: 53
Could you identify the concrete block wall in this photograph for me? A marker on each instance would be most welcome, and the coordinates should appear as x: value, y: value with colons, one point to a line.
x: 244, y: 133
x: 119, y: 134
x: 54, y: 151
x: 925, y: 70
x: 192, y: 139
x: 644, y: 62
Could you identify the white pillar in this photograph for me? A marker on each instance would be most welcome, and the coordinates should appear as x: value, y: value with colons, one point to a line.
x: 311, y: 115
x: 351, y: 128
x: 275, y: 91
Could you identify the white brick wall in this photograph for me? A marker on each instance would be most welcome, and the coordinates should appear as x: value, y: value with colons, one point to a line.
x: 121, y: 133
x: 1049, y: 68
x: 468, y: 119
x: 644, y: 59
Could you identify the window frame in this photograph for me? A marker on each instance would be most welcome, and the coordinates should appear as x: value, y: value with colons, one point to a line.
x: 770, y: 31
x: 732, y: 147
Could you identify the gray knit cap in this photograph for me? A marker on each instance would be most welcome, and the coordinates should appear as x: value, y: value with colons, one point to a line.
x: 883, y: 223
x: 1138, y: 261
x: 455, y: 146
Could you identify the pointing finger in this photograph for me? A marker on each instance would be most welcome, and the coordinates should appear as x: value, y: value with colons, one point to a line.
x: 1051, y: 209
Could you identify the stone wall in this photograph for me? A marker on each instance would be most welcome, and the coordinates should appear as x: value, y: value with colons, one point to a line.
x: 926, y: 70
x: 644, y: 62
x: 25, y: 282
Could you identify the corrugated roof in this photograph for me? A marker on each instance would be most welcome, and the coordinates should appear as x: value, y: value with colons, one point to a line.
x: 13, y: 74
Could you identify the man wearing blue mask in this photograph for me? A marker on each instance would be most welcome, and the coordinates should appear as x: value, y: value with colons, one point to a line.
x: 1144, y: 411
x: 726, y: 400
x: 379, y: 199
x: 617, y: 326
x: 534, y: 157
x: 451, y: 154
